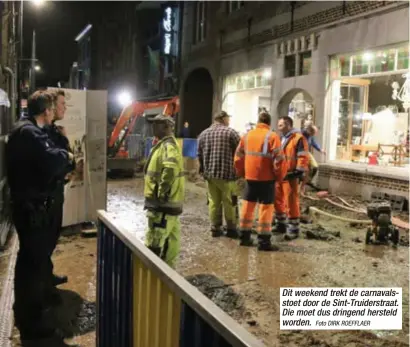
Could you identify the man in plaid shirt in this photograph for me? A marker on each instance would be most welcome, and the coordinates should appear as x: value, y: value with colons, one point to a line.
x: 216, y: 150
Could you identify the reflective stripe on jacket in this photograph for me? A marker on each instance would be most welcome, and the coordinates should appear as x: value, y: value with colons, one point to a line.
x: 164, y: 182
x: 295, y: 148
x: 259, y: 156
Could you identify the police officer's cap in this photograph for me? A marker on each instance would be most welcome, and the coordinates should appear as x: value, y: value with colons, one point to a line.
x: 164, y: 119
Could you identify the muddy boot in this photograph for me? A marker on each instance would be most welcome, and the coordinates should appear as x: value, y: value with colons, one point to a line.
x: 246, y: 238
x: 265, y: 244
x: 232, y: 233
x: 280, y: 228
x: 291, y: 235
x: 216, y: 231
x: 156, y: 250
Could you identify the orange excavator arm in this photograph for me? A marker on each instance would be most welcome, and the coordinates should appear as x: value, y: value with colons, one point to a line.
x: 137, y: 109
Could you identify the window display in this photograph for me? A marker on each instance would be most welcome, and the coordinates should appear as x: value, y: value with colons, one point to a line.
x: 367, y: 118
x: 244, y: 94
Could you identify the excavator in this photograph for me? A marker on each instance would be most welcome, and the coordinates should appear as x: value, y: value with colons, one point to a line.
x: 119, y: 161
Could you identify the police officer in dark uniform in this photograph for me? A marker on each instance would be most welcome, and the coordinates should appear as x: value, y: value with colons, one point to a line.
x: 33, y: 163
x: 59, y: 138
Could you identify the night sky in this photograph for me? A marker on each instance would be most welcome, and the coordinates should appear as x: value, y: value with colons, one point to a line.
x: 56, y: 24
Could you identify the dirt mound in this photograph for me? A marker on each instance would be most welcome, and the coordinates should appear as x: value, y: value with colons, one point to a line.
x: 318, y: 232
x: 217, y: 291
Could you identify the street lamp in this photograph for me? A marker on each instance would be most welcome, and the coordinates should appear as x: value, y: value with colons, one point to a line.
x: 124, y: 98
x: 37, y: 68
x: 38, y: 3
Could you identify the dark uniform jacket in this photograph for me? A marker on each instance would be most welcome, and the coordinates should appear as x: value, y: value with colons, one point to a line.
x: 60, y: 141
x: 33, y: 162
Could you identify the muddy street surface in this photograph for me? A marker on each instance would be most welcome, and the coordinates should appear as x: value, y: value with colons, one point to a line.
x: 242, y: 281
x: 245, y: 282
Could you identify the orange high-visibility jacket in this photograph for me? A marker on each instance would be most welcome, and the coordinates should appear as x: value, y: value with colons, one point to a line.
x: 296, y: 150
x: 259, y: 156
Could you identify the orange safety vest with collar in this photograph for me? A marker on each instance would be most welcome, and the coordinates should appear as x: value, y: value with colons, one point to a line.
x: 259, y: 156
x: 296, y: 151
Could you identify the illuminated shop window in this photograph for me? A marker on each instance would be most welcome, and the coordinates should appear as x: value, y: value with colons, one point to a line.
x: 382, y: 61
x: 403, y: 58
x: 305, y: 63
x: 344, y: 63
x: 371, y: 62
x: 360, y: 63
x: 248, y: 80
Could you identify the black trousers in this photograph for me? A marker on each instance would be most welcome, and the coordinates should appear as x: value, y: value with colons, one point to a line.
x: 56, y: 220
x: 31, y: 280
x: 260, y: 191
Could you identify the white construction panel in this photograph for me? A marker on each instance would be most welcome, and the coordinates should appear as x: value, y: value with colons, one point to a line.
x: 96, y: 152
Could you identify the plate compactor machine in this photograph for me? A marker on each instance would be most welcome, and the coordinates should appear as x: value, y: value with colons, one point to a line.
x: 382, y: 230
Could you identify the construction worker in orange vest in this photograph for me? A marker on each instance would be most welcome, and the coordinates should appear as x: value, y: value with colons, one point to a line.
x: 287, y: 204
x: 260, y: 160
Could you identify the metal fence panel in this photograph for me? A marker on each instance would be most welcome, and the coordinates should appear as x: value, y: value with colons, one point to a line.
x: 143, y: 302
x: 114, y: 291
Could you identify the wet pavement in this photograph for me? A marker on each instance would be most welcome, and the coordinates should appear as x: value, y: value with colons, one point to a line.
x: 241, y: 280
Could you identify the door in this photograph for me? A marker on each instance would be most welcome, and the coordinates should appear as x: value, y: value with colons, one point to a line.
x: 353, y: 103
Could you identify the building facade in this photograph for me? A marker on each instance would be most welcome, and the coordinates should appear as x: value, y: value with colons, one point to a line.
x: 337, y: 63
x: 8, y: 102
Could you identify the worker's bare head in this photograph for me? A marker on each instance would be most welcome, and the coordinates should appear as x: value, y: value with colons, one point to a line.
x: 285, y: 124
x: 40, y: 107
x: 163, y: 126
x: 222, y: 118
x: 311, y: 129
x: 59, y: 104
x: 265, y: 118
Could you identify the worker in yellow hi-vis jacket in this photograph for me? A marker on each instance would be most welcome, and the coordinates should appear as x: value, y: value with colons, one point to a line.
x: 164, y: 192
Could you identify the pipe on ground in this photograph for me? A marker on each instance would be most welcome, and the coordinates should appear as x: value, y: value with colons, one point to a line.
x: 348, y: 220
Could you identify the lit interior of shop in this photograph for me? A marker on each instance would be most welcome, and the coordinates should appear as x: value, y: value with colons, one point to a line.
x: 245, y: 95
x: 370, y: 107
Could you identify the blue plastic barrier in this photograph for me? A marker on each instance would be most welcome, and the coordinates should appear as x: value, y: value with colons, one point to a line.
x: 190, y: 148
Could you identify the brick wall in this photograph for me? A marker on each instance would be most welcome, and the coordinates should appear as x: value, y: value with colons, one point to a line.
x: 372, y: 180
x: 320, y: 18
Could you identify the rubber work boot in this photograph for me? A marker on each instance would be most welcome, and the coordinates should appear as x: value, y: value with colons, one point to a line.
x: 265, y: 244
x: 58, y: 280
x: 156, y: 250
x: 291, y: 235
x: 246, y: 238
x: 280, y: 228
x: 216, y: 232
x: 232, y: 233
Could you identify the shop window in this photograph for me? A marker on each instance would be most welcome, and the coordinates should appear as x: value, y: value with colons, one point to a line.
x: 305, y: 63
x: 235, y: 5
x: 249, y: 81
x: 344, y: 62
x: 290, y: 66
x: 382, y: 61
x: 369, y: 120
x: 403, y: 58
x: 240, y: 83
x: 200, y: 21
x: 360, y: 63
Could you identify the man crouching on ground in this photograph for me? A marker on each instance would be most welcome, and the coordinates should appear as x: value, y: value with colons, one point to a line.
x: 164, y: 192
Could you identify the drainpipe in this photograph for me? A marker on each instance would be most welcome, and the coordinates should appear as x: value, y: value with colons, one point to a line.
x: 13, y: 94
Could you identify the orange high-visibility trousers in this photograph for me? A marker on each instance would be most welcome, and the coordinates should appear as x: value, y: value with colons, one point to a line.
x: 265, y: 217
x: 292, y: 192
x: 281, y: 202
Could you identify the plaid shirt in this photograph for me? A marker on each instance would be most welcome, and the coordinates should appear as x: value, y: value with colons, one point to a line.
x: 216, y: 150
